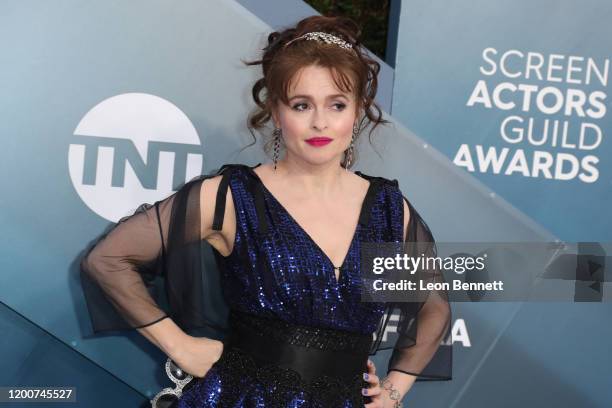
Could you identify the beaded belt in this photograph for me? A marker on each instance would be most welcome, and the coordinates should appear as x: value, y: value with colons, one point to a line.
x: 310, y: 351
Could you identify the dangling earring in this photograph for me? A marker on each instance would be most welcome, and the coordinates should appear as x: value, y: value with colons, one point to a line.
x: 350, y: 151
x: 277, y: 135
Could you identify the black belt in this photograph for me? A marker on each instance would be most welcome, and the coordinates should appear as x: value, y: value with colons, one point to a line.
x: 310, y: 351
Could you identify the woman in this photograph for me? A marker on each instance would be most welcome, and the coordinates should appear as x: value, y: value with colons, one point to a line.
x: 286, y: 238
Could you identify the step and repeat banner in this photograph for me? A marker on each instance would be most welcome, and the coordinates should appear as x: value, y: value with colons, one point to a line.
x: 516, y: 94
x: 108, y: 105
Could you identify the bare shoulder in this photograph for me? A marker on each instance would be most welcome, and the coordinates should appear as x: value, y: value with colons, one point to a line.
x: 208, y: 198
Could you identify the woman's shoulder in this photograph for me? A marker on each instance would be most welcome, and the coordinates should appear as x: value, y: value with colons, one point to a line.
x: 392, y: 187
x: 212, y: 179
x: 415, y: 227
x: 210, y: 187
x: 378, y: 179
x: 226, y: 168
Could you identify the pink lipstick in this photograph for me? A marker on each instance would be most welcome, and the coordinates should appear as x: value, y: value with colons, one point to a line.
x: 318, y: 141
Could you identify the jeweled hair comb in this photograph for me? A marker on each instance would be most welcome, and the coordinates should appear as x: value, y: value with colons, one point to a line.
x: 323, y: 37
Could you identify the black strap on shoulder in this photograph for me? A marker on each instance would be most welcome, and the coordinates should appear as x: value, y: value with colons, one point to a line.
x: 226, y: 170
x: 376, y: 184
x: 254, y: 186
x: 364, y: 216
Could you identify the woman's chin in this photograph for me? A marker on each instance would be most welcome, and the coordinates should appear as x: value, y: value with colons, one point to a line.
x: 322, y: 159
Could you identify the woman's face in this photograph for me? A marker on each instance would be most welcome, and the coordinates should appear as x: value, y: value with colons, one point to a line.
x: 317, y: 109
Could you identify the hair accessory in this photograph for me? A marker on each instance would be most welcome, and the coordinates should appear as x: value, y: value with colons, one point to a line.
x: 325, y: 38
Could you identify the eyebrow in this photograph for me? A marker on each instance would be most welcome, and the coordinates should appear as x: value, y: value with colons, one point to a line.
x: 310, y: 97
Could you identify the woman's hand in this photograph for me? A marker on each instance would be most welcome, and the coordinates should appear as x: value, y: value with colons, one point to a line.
x: 196, y: 355
x: 374, y: 390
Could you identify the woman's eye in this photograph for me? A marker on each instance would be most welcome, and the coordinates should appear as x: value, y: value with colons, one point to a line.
x: 338, y: 106
x: 295, y: 107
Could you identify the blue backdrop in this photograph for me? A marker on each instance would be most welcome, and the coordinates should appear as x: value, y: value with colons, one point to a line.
x: 107, y: 105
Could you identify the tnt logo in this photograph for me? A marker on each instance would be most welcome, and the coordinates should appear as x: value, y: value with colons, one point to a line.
x: 130, y: 149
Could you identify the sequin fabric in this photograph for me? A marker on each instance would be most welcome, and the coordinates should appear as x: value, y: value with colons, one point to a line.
x: 303, y: 336
x: 277, y: 271
x: 236, y: 381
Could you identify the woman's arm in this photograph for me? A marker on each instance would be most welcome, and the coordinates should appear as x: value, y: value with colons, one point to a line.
x: 194, y: 355
x: 166, y: 335
x: 401, y: 381
x: 114, y: 267
x: 123, y: 263
x: 422, y: 326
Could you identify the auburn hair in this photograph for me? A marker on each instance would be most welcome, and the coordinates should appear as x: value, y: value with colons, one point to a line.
x: 352, y: 71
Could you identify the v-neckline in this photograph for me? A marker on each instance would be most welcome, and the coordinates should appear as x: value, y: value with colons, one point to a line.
x: 308, y: 236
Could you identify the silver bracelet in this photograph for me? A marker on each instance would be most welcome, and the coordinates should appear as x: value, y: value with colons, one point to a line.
x: 394, y: 394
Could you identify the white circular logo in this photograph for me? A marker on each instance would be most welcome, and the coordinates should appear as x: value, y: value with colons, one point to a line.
x: 130, y: 149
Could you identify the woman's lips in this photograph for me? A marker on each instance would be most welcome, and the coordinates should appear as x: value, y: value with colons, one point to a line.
x: 318, y: 141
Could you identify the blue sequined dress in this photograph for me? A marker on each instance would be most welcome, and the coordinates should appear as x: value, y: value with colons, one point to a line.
x: 276, y: 283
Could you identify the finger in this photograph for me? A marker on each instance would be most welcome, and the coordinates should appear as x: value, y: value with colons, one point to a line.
x: 371, y: 367
x: 374, y: 404
x: 371, y: 378
x: 371, y: 391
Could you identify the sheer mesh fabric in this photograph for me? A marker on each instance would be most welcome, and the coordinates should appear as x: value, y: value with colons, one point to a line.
x: 422, y: 325
x: 149, y: 266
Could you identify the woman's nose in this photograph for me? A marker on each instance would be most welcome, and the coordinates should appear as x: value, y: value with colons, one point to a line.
x: 318, y: 120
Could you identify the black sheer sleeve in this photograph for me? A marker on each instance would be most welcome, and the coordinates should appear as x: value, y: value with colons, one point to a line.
x: 149, y: 265
x: 421, y: 325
